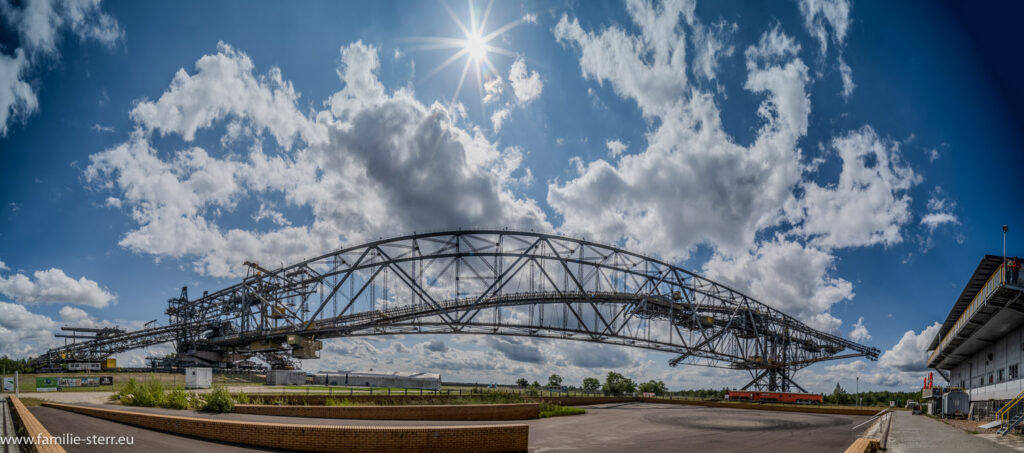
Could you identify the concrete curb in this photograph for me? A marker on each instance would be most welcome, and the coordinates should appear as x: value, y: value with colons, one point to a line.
x: 408, y: 412
x: 32, y: 428
x: 863, y: 445
x: 481, y: 438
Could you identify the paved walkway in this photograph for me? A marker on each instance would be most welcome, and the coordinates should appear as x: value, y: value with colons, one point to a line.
x: 1013, y: 442
x: 918, y: 433
x: 63, y: 423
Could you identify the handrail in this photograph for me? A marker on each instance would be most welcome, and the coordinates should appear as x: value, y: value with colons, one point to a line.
x: 1004, y: 412
x: 977, y: 302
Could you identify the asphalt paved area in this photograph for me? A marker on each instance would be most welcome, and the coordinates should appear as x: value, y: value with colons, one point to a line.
x: 605, y: 428
x: 59, y: 422
x: 918, y: 433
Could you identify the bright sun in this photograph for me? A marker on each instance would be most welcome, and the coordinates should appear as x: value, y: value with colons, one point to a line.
x: 477, y: 48
x: 474, y: 45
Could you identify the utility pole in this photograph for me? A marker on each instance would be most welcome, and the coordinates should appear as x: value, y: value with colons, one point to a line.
x: 1005, y: 229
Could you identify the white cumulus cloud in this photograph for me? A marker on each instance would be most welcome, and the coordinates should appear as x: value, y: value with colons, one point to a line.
x: 375, y: 163
x: 54, y: 286
x: 788, y: 276
x: 869, y: 205
x: 39, y: 26
x: 526, y: 84
x: 826, y: 18
x: 860, y: 331
x: 615, y: 147
x: 24, y: 333
x: 910, y: 354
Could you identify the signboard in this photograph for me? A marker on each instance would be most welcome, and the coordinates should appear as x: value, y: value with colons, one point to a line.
x: 78, y: 382
x: 8, y: 385
x: 648, y: 395
x: 106, y: 380
x: 46, y: 384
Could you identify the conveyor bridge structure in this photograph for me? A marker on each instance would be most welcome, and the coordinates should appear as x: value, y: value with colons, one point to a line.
x: 483, y: 282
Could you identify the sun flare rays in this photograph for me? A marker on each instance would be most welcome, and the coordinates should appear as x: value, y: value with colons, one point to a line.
x: 475, y: 47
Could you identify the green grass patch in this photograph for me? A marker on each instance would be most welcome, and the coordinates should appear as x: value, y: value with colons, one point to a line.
x: 341, y: 402
x: 31, y: 401
x: 554, y: 410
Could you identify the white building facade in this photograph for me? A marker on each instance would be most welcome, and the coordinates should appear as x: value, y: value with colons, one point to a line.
x: 981, y: 344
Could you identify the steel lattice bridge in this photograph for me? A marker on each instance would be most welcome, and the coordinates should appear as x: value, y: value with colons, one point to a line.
x: 490, y: 282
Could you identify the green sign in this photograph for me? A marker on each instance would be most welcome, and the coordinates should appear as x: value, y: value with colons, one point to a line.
x: 46, y: 384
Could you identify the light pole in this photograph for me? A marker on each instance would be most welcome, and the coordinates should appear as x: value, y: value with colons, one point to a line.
x: 858, y: 391
x: 1005, y: 229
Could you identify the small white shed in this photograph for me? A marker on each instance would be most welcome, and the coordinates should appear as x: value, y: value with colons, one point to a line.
x: 198, y: 378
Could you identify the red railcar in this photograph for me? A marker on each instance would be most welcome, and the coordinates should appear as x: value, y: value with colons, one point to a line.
x: 775, y: 397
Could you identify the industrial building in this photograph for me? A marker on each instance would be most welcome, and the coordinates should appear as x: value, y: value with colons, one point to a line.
x: 396, y: 379
x: 980, y: 347
x: 286, y: 377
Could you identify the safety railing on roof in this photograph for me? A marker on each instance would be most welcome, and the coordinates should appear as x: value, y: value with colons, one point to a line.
x: 994, y: 282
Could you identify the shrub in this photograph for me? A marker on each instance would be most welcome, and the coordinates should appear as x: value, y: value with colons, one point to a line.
x: 242, y: 398
x: 177, y: 399
x: 553, y: 410
x: 219, y: 400
x: 127, y: 393
x: 150, y: 394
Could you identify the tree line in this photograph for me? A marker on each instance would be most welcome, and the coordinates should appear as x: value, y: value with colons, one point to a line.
x: 614, y: 384
x: 9, y: 366
x: 617, y: 384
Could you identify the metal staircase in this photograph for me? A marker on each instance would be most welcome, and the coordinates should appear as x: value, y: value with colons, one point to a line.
x: 1012, y: 424
x: 1005, y: 415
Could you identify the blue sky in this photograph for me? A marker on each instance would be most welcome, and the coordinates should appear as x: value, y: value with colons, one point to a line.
x: 848, y: 163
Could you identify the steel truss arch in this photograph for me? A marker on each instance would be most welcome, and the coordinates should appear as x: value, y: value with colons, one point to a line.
x: 493, y: 282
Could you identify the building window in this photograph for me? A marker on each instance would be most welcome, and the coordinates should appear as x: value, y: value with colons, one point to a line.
x: 1014, y: 372
x: 981, y: 381
x: 991, y: 378
x: 1000, y: 373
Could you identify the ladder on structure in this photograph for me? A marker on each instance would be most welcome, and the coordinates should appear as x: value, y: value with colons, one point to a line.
x: 1004, y: 415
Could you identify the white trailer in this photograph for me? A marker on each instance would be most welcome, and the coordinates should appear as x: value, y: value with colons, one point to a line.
x: 198, y: 378
x: 84, y: 366
x: 286, y: 377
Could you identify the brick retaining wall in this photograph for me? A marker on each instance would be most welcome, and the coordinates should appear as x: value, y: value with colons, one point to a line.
x: 408, y: 412
x: 767, y: 407
x: 483, y: 438
x: 320, y: 399
x: 27, y: 425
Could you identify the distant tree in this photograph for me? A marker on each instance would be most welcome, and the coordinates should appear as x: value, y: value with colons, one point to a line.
x: 618, y: 384
x: 655, y: 387
x: 554, y: 381
x: 522, y: 382
x: 534, y: 389
x: 12, y: 365
x: 591, y: 385
x: 838, y: 390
